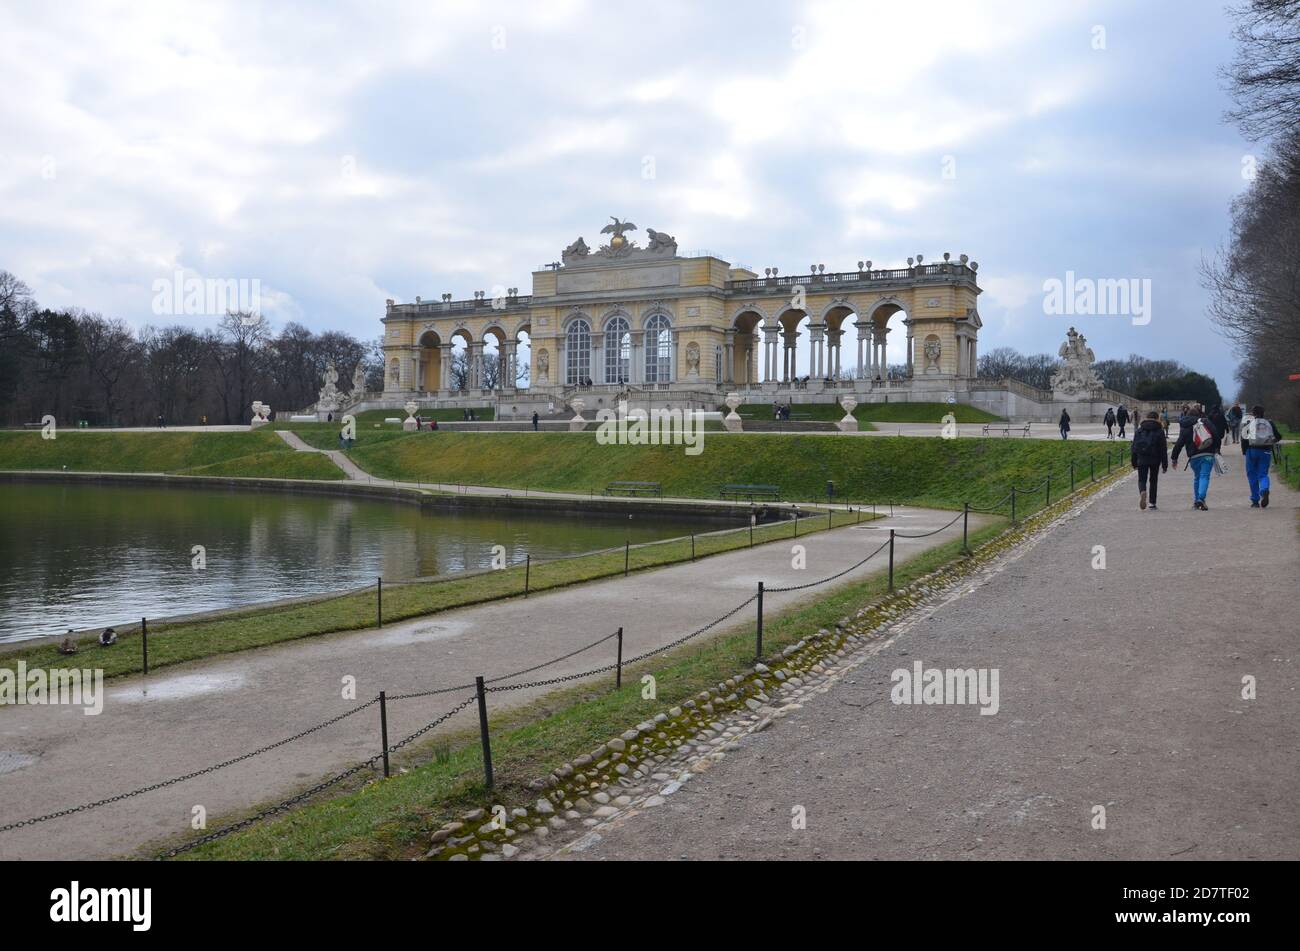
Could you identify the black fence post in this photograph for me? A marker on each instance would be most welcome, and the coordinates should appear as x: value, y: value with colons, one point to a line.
x: 692, y: 546
x: 144, y: 643
x: 758, y: 640
x: 383, y: 728
x: 1013, y: 505
x: 618, y: 676
x: 1092, y: 469
x: 891, y: 559
x: 528, y: 570
x: 751, y: 531
x: 627, y: 552
x: 1071, y: 476
x: 483, y: 729
x: 796, y: 523
x: 965, y: 526
x: 1048, y: 500
x: 379, y: 602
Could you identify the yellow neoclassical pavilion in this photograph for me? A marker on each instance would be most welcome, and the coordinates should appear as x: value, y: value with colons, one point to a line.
x: 650, y: 322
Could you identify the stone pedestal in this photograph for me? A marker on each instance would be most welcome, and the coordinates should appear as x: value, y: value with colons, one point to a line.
x: 409, y: 424
x: 577, y: 424
x: 732, y: 420
x: 849, y: 424
x: 261, y: 412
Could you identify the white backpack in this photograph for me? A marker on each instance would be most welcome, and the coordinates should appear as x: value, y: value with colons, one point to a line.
x: 1258, y: 431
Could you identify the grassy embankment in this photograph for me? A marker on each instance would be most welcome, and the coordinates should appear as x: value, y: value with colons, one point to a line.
x: 393, y: 818
x: 875, y: 412
x: 260, y: 454
x: 941, y: 473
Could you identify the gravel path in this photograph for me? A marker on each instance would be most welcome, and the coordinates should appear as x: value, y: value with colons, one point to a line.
x: 1119, y: 688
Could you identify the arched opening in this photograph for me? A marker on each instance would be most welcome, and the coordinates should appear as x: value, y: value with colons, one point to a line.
x: 520, y: 360
x: 890, y: 344
x: 428, y: 377
x: 617, y: 364
x: 745, y: 360
x: 458, y: 360
x: 794, y: 325
x: 577, y: 352
x: 839, y: 332
x: 658, y: 349
x: 491, y: 371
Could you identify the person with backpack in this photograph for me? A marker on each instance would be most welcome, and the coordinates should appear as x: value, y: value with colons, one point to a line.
x: 1258, y: 437
x: 1202, y: 445
x: 1149, y: 455
x: 1121, y: 417
x: 1109, y: 420
x: 1065, y: 424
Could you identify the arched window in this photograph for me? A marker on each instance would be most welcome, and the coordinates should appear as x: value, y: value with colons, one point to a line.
x: 618, y: 350
x: 577, y: 352
x: 658, y: 350
x: 717, y: 364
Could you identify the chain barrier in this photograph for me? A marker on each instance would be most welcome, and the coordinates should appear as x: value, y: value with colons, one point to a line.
x: 936, y: 531
x: 839, y: 574
x: 307, y: 794
x: 198, y: 772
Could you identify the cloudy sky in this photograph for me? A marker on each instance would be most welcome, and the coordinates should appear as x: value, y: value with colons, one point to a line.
x: 346, y: 153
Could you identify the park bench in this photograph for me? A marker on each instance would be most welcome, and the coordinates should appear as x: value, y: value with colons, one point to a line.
x: 1005, y: 429
x: 634, y: 488
x: 743, y: 490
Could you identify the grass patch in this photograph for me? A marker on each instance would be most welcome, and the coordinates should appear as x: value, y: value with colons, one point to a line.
x: 155, y: 451
x: 941, y: 473
x: 272, y: 465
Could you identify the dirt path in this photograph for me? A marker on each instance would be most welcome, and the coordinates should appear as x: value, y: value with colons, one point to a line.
x: 1119, y: 688
x: 187, y: 717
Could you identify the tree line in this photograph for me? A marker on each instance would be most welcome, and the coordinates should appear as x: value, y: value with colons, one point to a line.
x: 1254, y: 282
x: 78, y: 366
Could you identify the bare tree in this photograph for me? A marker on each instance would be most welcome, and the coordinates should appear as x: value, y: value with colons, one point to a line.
x: 1265, y: 78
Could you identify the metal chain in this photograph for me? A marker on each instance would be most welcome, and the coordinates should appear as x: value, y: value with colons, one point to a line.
x: 307, y: 794
x: 839, y: 574
x: 180, y: 779
x: 935, y: 532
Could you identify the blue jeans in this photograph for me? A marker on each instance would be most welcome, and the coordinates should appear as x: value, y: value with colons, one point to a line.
x: 1257, y: 462
x: 1202, y: 466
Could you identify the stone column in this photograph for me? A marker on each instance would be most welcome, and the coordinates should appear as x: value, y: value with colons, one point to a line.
x: 476, y: 365
x: 911, y: 346
x: 864, y: 338
x: 728, y: 355
x: 635, y: 368
x: 444, y: 378
x: 597, y: 370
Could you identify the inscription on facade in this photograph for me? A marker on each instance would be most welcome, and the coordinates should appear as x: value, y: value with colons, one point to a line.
x: 617, y: 279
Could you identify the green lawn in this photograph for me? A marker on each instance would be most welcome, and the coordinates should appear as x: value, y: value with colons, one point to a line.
x: 877, y: 412
x: 942, y: 473
x: 150, y: 451
x: 271, y: 465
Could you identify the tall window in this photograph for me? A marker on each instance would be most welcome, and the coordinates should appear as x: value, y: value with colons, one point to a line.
x: 658, y: 350
x: 717, y: 364
x: 577, y: 352
x: 618, y: 350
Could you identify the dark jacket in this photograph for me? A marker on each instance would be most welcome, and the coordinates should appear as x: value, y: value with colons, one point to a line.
x: 1121, y: 417
x: 1149, y: 450
x: 1219, y: 423
x: 1064, y: 421
x: 1109, y: 418
x: 1185, y: 439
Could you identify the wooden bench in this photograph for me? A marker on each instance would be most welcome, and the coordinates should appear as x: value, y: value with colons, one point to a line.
x: 1005, y: 429
x: 743, y: 490
x: 634, y: 488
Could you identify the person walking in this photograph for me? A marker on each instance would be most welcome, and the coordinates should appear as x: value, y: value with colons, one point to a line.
x: 1202, y: 445
x: 1064, y: 424
x: 1149, y: 455
x: 1258, y: 437
x: 1121, y: 417
x: 1234, y: 422
x: 1109, y: 420
x: 1164, y: 413
x: 1220, y: 423
x: 535, y: 419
